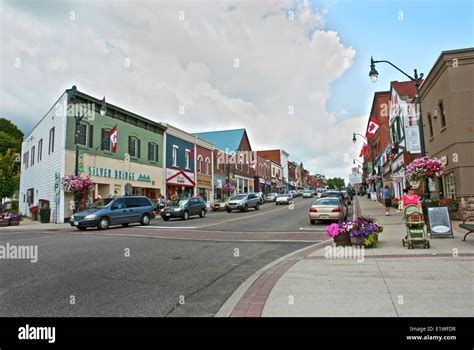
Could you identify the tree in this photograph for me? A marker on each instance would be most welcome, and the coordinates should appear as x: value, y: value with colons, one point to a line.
x: 11, y: 129
x: 8, y: 177
x: 336, y: 183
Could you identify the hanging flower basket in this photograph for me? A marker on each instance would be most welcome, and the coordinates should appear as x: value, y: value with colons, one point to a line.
x: 228, y: 187
x: 72, y: 183
x: 424, y: 167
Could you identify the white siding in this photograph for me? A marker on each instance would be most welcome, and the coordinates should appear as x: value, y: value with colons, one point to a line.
x: 41, y: 175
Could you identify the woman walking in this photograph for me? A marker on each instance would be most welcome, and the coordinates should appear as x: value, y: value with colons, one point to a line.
x: 410, y: 198
x: 387, y: 197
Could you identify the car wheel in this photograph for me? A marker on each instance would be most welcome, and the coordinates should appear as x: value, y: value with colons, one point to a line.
x: 103, y: 223
x: 145, y: 220
x: 166, y: 219
x: 276, y: 203
x: 185, y: 215
x: 125, y: 225
x: 257, y: 206
x: 81, y: 228
x: 313, y: 222
x: 229, y: 211
x: 246, y: 207
x: 202, y: 213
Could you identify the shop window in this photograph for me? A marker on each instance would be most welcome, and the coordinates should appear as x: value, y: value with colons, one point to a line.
x: 32, y: 155
x: 40, y: 150
x: 174, y: 155
x: 105, y: 144
x: 442, y: 114
x: 51, y: 141
x: 152, y: 152
x: 450, y: 185
x: 430, y: 124
x: 133, y: 147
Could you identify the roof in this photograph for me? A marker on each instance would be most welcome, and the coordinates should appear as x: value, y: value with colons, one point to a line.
x: 224, y: 140
x: 404, y: 88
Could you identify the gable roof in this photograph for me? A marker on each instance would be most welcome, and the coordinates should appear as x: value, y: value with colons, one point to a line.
x: 224, y: 140
x: 405, y: 89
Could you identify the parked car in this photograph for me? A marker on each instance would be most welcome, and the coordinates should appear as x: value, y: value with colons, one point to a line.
x: 261, y: 195
x: 243, y: 202
x: 328, y: 208
x: 184, y: 208
x: 271, y: 197
x: 284, y: 198
x: 293, y: 193
x: 300, y: 192
x: 307, y: 194
x: 218, y: 205
x: 107, y: 212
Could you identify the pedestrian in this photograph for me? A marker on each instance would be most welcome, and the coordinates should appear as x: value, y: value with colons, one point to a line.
x: 368, y: 192
x: 410, y: 198
x: 387, y: 196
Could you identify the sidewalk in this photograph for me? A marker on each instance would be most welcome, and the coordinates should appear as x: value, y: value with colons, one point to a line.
x: 391, y: 281
x: 29, y: 225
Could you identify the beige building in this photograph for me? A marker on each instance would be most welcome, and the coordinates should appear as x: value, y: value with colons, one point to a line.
x: 447, y: 105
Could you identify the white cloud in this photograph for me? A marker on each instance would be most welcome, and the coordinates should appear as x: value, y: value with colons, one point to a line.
x: 189, y: 62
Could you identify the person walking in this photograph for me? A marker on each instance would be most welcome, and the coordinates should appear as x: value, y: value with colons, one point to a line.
x: 410, y: 198
x: 368, y: 192
x: 387, y: 197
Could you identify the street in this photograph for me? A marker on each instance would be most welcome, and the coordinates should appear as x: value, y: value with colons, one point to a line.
x: 133, y: 272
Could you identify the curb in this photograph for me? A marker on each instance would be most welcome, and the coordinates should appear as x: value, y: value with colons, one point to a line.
x: 248, y: 300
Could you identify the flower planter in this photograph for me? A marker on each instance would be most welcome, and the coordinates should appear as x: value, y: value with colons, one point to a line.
x: 342, y: 239
x: 357, y: 241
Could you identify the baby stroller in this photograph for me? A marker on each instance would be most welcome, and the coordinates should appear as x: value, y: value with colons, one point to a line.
x: 415, y: 226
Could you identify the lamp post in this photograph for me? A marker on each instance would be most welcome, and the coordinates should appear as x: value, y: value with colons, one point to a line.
x: 417, y: 78
x: 78, y: 118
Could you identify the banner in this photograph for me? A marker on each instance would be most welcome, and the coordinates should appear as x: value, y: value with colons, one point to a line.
x: 413, y: 139
x: 372, y: 128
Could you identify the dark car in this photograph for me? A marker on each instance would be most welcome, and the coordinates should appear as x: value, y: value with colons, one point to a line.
x: 184, y: 208
x: 114, y: 211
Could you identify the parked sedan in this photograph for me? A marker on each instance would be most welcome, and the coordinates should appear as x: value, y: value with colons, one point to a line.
x: 307, y: 194
x: 184, y: 208
x: 330, y: 208
x: 243, y: 202
x: 284, y: 198
x: 271, y: 197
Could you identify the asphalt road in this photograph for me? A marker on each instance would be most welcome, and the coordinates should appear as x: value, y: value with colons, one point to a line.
x: 159, y: 277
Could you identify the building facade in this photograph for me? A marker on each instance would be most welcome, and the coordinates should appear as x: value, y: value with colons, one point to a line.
x: 447, y: 105
x: 280, y: 158
x: 49, y: 153
x: 204, y: 170
x: 263, y: 176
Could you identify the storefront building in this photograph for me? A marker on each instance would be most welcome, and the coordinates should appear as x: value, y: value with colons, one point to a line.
x: 204, y: 170
x: 180, y: 160
x: 447, y: 104
x: 279, y: 157
x: 135, y: 167
x: 262, y: 178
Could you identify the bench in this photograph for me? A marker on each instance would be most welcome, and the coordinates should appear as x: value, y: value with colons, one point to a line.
x: 468, y: 227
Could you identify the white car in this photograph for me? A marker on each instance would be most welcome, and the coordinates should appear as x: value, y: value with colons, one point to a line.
x: 284, y: 198
x: 307, y: 194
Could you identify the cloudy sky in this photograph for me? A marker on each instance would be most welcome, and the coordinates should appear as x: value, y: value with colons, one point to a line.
x: 293, y: 73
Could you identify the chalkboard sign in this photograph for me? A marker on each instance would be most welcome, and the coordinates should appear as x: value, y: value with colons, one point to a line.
x: 439, y: 221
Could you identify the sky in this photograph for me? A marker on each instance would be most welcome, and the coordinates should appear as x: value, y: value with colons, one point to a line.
x: 293, y: 73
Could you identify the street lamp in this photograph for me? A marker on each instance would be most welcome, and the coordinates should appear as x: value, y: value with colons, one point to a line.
x: 417, y: 79
x: 356, y: 160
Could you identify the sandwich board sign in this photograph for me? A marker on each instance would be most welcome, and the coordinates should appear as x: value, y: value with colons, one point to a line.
x: 439, y: 221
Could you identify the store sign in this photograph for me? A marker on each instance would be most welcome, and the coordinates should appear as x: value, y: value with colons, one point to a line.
x: 444, y: 160
x: 413, y: 139
x: 355, y: 178
x: 218, y: 183
x: 118, y: 174
x: 179, y: 177
x: 269, y: 182
x: 397, y: 163
x: 204, y: 181
x: 262, y: 181
x: 439, y: 221
x: 57, y: 184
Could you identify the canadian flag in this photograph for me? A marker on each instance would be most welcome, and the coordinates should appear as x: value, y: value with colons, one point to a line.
x: 373, y: 127
x: 364, y: 150
x: 113, y: 138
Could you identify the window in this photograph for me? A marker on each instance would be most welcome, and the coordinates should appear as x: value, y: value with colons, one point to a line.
x: 208, y: 163
x: 30, y: 196
x: 32, y: 156
x: 199, y: 161
x: 450, y: 181
x: 134, y: 147
x: 105, y: 144
x: 26, y: 157
x: 430, y: 124
x: 187, y: 159
x: 40, y: 150
x: 51, y: 141
x: 442, y: 114
x: 174, y: 155
x: 152, y: 151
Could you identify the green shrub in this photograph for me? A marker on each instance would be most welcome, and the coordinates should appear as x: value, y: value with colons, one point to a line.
x: 15, y: 207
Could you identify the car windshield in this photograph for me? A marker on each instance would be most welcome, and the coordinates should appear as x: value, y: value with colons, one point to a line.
x: 239, y: 197
x: 180, y: 202
x: 283, y: 195
x: 327, y: 201
x: 307, y: 192
x: 101, y: 203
